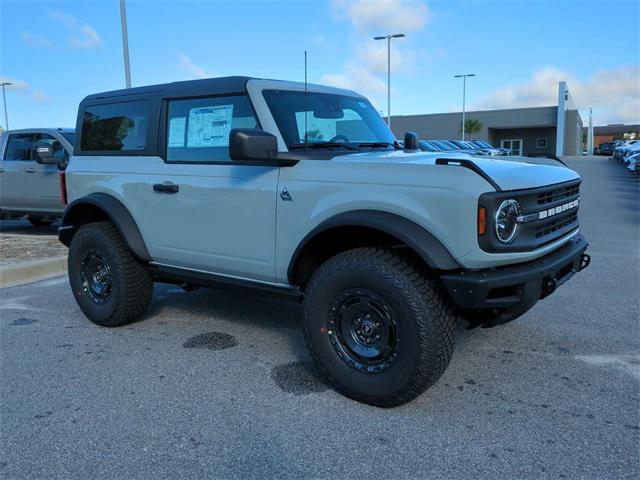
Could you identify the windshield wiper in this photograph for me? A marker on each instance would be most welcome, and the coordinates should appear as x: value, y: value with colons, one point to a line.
x: 379, y: 145
x: 323, y: 145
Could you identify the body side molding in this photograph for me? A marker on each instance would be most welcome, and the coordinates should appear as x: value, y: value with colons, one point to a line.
x: 75, y: 214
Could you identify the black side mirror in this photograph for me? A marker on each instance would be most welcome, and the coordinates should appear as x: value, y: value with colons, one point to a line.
x: 44, y: 154
x: 411, y: 141
x: 252, y: 145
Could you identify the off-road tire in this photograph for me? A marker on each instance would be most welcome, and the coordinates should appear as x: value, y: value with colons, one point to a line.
x: 39, y: 221
x: 132, y: 283
x: 424, y: 315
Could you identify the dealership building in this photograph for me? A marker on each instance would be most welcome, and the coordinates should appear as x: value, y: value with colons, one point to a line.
x: 536, y: 131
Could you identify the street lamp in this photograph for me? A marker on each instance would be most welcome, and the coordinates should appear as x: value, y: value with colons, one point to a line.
x: 125, y: 43
x: 4, y: 100
x: 464, y: 88
x: 388, y: 39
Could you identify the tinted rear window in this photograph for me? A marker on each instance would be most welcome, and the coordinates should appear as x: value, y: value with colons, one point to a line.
x: 115, y: 127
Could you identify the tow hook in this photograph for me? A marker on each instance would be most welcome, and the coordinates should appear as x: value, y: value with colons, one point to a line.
x: 548, y: 287
x: 585, y: 260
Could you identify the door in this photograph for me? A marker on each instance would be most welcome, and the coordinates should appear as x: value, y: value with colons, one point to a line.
x: 17, y: 171
x: 514, y: 145
x: 44, y: 182
x: 210, y: 213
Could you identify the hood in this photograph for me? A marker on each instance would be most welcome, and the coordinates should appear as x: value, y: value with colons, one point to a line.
x: 508, y: 173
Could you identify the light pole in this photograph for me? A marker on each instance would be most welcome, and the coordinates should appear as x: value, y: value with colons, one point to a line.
x: 125, y: 43
x: 388, y: 39
x: 4, y: 101
x: 464, y: 90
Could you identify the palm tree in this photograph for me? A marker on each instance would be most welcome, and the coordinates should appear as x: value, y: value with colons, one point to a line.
x: 471, y: 126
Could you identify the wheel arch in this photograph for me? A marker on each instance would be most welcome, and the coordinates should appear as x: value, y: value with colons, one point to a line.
x: 101, y: 206
x: 365, y: 227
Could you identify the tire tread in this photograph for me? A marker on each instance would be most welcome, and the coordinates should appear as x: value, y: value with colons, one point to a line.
x: 426, y: 297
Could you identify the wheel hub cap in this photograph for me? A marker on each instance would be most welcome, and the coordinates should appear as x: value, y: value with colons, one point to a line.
x: 365, y: 333
x: 96, y: 277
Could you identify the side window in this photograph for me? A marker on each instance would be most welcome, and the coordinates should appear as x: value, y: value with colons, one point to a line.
x: 115, y: 127
x: 58, y: 149
x: 198, y: 129
x: 19, y: 147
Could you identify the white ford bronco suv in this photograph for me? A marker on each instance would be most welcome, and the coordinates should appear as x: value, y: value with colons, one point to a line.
x: 302, y: 190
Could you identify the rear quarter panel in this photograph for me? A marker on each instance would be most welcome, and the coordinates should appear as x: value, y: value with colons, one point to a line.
x: 126, y: 178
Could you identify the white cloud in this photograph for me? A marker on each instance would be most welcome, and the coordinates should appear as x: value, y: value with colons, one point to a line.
x: 17, y: 85
x: 614, y: 94
x: 373, y: 55
x: 193, y: 70
x: 39, y: 96
x: 67, y: 20
x: 388, y: 16
x: 366, y: 69
x: 88, y: 38
x: 82, y: 35
x: 23, y: 87
x: 36, y: 40
x: 356, y: 78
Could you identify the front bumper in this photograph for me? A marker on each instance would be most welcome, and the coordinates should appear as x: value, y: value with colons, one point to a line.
x: 520, y: 285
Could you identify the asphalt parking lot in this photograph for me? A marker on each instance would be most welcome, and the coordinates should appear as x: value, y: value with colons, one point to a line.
x: 213, y: 384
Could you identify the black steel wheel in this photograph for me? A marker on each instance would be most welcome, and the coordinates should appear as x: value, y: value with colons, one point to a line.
x: 365, y: 330
x: 96, y: 276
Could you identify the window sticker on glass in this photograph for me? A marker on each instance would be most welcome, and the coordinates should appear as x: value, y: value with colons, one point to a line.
x: 209, y: 126
x: 176, y: 131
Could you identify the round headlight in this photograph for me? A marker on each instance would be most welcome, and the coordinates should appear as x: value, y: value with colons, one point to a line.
x: 506, y: 220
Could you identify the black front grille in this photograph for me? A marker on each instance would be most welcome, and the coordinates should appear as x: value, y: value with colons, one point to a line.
x: 555, y: 225
x: 558, y: 195
x: 534, y: 231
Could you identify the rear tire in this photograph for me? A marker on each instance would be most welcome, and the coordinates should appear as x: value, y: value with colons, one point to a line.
x: 111, y: 286
x: 380, y: 330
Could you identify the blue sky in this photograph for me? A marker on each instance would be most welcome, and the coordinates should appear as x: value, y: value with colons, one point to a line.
x: 56, y: 52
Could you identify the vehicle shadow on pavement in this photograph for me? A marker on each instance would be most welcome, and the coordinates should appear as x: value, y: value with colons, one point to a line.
x: 281, y: 317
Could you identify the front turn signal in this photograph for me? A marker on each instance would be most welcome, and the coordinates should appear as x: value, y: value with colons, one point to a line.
x: 482, y: 220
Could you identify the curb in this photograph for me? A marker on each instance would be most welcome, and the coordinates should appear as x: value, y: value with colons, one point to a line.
x: 32, y: 271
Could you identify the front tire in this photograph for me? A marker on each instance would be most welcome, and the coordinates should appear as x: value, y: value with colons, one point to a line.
x: 380, y: 330
x: 111, y: 286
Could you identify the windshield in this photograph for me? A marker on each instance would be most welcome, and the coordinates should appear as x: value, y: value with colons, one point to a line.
x: 450, y: 145
x: 70, y: 136
x: 328, y: 119
x: 427, y: 147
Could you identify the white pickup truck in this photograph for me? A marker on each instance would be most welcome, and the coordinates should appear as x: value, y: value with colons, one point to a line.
x: 28, y: 186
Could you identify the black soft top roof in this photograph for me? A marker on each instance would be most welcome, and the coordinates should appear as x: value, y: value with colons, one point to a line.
x: 207, y: 86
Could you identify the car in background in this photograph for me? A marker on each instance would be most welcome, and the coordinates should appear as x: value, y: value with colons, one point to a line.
x: 605, y: 148
x: 633, y: 161
x: 487, y: 145
x: 621, y: 151
x: 469, y: 145
x: 30, y: 185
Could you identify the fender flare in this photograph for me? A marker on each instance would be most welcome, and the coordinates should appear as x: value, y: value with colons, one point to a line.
x: 117, y: 214
x: 423, y: 242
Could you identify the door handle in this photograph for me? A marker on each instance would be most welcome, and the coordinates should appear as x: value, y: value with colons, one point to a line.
x: 30, y: 170
x: 167, y: 187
